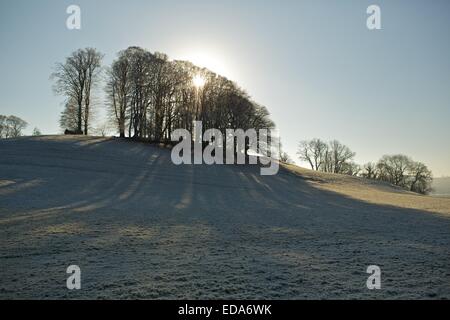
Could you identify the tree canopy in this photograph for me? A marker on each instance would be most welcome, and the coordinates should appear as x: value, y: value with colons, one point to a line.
x: 149, y: 96
x: 11, y: 126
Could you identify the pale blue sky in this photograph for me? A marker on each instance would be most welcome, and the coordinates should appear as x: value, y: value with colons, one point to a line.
x: 314, y: 64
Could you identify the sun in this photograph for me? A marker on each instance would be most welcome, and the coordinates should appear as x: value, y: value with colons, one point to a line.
x: 198, y: 81
x: 208, y: 59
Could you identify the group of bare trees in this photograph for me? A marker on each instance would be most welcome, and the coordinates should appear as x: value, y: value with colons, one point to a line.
x: 335, y: 157
x: 149, y: 96
x: 401, y: 171
x: 11, y: 126
x: 75, y: 79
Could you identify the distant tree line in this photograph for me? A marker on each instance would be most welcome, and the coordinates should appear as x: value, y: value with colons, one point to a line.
x: 148, y: 95
x: 11, y: 126
x: 335, y: 157
x: 401, y: 171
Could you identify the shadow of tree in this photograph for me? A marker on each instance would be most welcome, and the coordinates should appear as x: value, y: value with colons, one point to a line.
x: 141, y: 227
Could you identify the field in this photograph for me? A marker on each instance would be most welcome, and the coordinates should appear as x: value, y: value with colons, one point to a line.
x: 140, y: 227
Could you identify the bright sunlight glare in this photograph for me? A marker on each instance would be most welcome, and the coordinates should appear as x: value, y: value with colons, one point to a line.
x: 198, y: 81
x: 210, y: 60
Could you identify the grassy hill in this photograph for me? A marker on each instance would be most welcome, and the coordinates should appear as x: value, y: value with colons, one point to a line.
x: 372, y: 191
x: 140, y: 227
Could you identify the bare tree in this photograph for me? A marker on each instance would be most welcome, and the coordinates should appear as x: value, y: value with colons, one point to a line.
x: 69, y: 117
x: 333, y: 157
x: 337, y: 156
x: 285, y: 158
x: 351, y: 168
x: 37, y: 132
x: 420, y: 178
x: 14, y: 126
x: 92, y: 69
x: 318, y: 148
x: 75, y: 79
x: 118, y: 89
x: 393, y: 168
x: 370, y: 171
x: 305, y: 153
x: 3, y: 126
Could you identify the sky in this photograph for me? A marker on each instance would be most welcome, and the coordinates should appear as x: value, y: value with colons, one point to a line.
x: 314, y: 64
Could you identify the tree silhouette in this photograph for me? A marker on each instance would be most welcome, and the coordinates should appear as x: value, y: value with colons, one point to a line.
x: 75, y: 79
